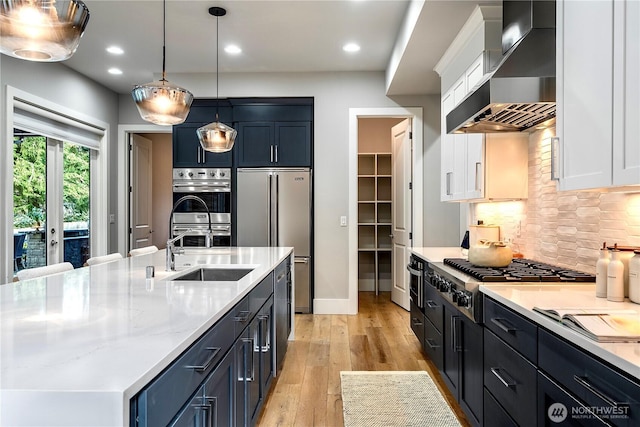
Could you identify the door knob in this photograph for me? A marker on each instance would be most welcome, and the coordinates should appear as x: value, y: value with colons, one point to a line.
x: 53, y: 242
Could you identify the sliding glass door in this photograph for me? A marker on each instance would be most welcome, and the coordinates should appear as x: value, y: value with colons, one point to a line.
x: 51, y: 204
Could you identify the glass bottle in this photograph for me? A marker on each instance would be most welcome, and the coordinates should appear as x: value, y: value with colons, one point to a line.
x: 601, y: 271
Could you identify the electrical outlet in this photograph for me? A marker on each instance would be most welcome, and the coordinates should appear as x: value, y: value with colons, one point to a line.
x: 112, y: 218
x: 343, y: 221
x: 518, y: 228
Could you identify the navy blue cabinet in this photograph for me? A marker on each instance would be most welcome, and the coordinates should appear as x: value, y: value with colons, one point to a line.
x: 274, y: 144
x: 224, y: 378
x: 187, y: 152
x: 463, y: 362
x: 282, y: 306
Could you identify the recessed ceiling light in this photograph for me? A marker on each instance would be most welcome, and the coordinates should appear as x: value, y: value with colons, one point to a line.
x: 233, y: 49
x: 351, y: 47
x: 116, y: 71
x: 115, y: 50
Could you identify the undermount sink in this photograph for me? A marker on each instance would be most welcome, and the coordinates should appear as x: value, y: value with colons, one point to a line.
x: 215, y: 274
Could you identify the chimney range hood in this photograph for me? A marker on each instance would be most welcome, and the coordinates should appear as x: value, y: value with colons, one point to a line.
x: 520, y: 94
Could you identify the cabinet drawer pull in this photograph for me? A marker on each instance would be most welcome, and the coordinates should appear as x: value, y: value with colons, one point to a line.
x: 431, y: 343
x: 208, y: 362
x: 244, y: 316
x: 508, y: 382
x: 503, y: 324
x: 584, y: 382
x: 416, y: 322
x: 432, y: 304
x: 208, y: 408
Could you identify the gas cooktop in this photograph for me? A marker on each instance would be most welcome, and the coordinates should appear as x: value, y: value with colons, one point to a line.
x: 520, y: 269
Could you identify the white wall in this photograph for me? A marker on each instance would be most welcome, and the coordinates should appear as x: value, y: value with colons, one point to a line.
x: 58, y: 84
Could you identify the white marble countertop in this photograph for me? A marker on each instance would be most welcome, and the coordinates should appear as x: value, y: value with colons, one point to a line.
x: 437, y: 254
x: 75, y: 347
x: 522, y: 298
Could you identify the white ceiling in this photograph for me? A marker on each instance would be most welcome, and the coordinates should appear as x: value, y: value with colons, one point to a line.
x: 275, y: 36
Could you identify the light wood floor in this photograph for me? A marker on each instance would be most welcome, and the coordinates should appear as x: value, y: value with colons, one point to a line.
x: 307, y: 391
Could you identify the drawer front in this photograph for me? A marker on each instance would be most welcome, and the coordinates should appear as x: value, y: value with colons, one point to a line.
x: 433, y: 306
x: 554, y: 402
x: 260, y: 294
x: 590, y: 380
x: 417, y: 322
x: 241, y: 316
x: 169, y: 392
x: 433, y: 344
x: 494, y: 414
x: 514, y: 329
x: 511, y: 379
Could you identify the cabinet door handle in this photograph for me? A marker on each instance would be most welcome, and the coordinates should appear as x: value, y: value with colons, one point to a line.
x: 504, y: 378
x: 276, y: 147
x: 432, y: 304
x: 209, y: 408
x: 208, y: 362
x: 271, y: 154
x: 415, y: 321
x: 584, y: 382
x: 504, y: 325
x: 431, y: 343
x: 478, y: 169
x: 244, y: 316
x: 555, y: 148
x: 449, y: 174
x: 265, y: 320
x: 455, y: 334
x: 251, y: 343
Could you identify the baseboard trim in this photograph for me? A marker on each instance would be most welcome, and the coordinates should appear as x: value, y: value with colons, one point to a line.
x: 331, y: 306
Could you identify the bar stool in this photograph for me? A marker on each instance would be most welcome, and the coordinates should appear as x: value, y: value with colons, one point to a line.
x: 32, y: 273
x: 101, y: 259
x: 143, y: 251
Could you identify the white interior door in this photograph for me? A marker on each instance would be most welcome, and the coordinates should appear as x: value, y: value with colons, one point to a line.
x: 141, y: 192
x: 401, y: 207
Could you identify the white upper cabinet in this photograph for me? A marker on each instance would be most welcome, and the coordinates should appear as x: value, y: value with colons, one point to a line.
x: 597, y: 93
x: 474, y: 166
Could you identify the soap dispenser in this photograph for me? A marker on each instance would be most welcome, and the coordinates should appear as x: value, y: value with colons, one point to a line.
x: 601, y: 271
x: 615, y: 277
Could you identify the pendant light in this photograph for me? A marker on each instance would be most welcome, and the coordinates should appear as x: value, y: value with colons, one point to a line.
x: 41, y: 30
x: 217, y: 137
x: 161, y: 102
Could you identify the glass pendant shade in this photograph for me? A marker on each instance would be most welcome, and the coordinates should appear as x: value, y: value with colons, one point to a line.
x: 162, y: 103
x: 41, y: 30
x: 216, y: 137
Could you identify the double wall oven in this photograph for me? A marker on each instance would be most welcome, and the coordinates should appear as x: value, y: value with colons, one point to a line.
x: 213, y: 186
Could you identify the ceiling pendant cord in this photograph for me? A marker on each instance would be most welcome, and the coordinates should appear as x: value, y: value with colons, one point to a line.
x: 164, y: 40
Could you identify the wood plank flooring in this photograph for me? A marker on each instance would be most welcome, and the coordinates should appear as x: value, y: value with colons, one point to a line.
x: 307, y: 391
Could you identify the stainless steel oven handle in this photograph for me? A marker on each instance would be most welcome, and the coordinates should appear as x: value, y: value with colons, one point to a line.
x: 413, y: 271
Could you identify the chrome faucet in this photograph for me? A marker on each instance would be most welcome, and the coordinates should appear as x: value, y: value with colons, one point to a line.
x: 171, y: 247
x: 172, y: 251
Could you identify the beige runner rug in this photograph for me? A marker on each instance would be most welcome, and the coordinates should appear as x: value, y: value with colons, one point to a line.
x: 393, y: 398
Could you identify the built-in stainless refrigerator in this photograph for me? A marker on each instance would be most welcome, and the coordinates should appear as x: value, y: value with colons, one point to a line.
x: 274, y: 209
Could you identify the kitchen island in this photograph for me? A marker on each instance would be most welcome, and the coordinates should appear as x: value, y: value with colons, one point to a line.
x: 77, y: 347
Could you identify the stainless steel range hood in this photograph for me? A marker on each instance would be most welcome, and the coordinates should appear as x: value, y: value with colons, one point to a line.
x: 520, y: 94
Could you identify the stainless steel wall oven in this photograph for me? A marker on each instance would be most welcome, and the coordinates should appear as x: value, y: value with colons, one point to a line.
x: 213, y: 186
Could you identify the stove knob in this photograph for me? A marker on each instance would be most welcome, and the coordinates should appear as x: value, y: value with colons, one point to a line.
x: 222, y: 174
x: 190, y: 174
x: 463, y: 300
x: 212, y: 173
x: 181, y: 174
